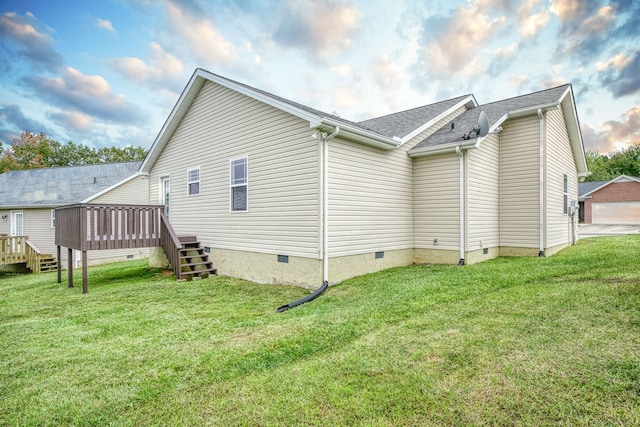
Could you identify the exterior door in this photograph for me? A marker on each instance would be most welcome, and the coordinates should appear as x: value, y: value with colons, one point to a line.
x: 165, y: 193
x: 17, y: 223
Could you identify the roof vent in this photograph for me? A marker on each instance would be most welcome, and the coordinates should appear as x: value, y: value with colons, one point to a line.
x: 95, y: 180
x: 453, y: 127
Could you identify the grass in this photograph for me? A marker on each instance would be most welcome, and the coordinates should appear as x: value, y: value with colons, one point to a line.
x: 513, y: 341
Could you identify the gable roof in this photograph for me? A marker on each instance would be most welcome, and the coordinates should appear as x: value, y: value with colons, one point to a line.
x: 587, y: 188
x: 497, y: 112
x: 385, y: 132
x: 53, y: 187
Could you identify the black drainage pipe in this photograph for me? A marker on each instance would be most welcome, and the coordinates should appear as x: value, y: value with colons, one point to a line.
x: 308, y: 298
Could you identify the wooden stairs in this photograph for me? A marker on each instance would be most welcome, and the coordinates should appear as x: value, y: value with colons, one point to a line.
x: 194, y: 262
x: 47, y: 263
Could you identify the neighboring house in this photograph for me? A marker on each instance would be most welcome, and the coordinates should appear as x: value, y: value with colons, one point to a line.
x: 279, y: 192
x: 610, y: 202
x: 28, y: 199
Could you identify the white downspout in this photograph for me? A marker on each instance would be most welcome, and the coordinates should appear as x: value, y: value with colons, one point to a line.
x: 541, y: 184
x: 325, y: 203
x: 460, y: 154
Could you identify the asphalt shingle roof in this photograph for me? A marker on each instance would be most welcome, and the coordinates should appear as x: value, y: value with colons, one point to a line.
x: 587, y: 187
x: 404, y: 122
x: 494, y: 111
x: 50, y: 187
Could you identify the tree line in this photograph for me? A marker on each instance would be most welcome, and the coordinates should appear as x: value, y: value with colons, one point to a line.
x: 605, y: 167
x: 34, y: 151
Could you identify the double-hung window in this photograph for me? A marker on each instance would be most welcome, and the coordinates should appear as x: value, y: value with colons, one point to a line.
x: 239, y: 184
x: 566, y: 194
x: 53, y: 218
x: 193, y: 182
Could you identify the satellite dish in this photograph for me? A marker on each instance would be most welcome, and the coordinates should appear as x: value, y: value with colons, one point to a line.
x: 481, y: 129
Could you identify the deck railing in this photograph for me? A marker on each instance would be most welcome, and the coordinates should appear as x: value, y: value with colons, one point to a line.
x: 86, y: 227
x: 13, y: 249
x: 171, y: 244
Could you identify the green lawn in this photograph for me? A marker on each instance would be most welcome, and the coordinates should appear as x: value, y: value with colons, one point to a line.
x: 513, y: 341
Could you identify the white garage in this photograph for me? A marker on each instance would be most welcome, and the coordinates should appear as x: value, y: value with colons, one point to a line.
x: 616, y: 212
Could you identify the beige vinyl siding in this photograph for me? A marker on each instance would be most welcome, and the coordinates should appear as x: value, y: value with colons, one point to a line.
x: 133, y: 192
x: 559, y: 162
x: 370, y: 199
x: 519, y: 183
x: 283, y: 175
x: 483, y: 198
x: 37, y: 225
x: 437, y: 202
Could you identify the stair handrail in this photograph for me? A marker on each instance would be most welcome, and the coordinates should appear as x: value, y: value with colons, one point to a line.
x: 33, y: 256
x: 12, y: 249
x: 171, y: 244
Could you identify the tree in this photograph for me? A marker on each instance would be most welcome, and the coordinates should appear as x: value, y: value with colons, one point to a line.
x: 604, y: 167
x: 32, y: 151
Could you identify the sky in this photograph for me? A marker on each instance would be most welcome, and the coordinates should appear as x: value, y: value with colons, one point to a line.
x: 108, y: 72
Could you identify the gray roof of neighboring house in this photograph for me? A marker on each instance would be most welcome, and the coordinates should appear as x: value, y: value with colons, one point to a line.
x: 494, y: 111
x: 52, y: 187
x: 585, y: 188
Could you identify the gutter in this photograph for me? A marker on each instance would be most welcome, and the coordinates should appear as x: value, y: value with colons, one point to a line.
x: 460, y: 154
x: 542, y: 181
x: 354, y: 133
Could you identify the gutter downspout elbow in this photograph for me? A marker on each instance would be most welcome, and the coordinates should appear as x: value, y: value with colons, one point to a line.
x: 460, y: 154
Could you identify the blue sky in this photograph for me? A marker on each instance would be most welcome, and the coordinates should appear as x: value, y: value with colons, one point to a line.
x: 108, y: 72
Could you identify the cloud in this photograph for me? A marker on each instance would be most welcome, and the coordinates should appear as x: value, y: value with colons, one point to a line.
x: 453, y: 45
x: 321, y: 28
x: 13, y: 122
x: 105, y: 24
x: 518, y: 81
x: 205, y: 42
x: 31, y: 44
x: 531, y: 23
x: 72, y: 120
x: 618, y: 62
x: 565, y: 10
x: 620, y: 75
x: 613, y: 134
x: 164, y: 69
x: 88, y: 94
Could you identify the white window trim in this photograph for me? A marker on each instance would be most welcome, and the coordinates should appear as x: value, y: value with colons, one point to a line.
x: 232, y: 185
x: 53, y: 218
x: 199, y: 181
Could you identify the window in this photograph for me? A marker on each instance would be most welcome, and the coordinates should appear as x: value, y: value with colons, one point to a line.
x: 566, y: 194
x: 193, y: 182
x: 239, y: 180
x: 53, y: 218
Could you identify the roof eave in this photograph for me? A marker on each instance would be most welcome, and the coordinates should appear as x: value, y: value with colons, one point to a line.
x: 444, y: 148
x: 356, y: 134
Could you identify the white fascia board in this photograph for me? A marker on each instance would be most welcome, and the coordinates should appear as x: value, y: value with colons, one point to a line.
x: 573, y: 129
x: 408, y: 137
x: 117, y: 184
x: 445, y: 148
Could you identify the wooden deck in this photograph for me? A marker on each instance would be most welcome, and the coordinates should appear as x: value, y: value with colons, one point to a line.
x: 19, y: 250
x: 86, y: 227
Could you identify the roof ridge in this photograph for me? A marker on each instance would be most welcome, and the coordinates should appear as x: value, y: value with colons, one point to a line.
x: 74, y: 166
x: 525, y: 95
x: 417, y: 108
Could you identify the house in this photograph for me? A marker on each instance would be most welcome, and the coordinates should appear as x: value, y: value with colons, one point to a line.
x: 278, y: 192
x: 610, y: 202
x: 28, y: 199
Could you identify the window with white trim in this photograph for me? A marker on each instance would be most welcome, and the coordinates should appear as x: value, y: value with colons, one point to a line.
x: 566, y: 194
x: 53, y: 218
x: 239, y: 184
x: 193, y: 182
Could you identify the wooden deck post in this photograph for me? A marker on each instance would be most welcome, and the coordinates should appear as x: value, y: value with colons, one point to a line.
x: 70, y: 268
x: 84, y: 272
x: 59, y: 265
